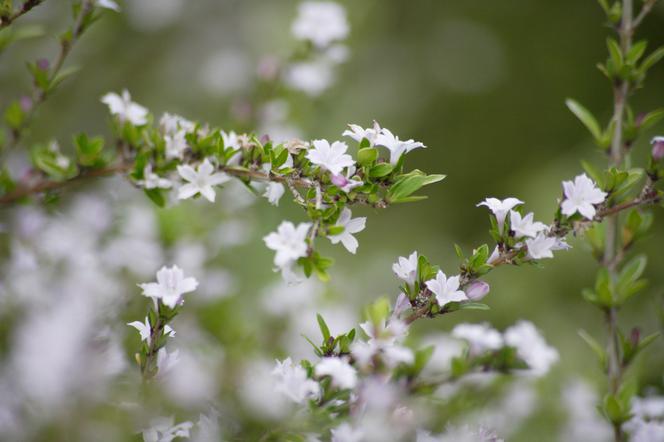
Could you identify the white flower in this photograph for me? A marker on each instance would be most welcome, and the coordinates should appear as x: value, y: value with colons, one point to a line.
x: 292, y: 381
x: 125, y: 109
x: 289, y: 242
x: 542, y: 246
x: 480, y: 337
x: 331, y: 157
x: 175, y: 144
x: 346, y: 433
x: 144, y: 329
x: 231, y: 140
x: 172, y: 123
x: 500, y: 208
x: 170, y: 286
x: 358, y: 134
x: 108, y: 4
x: 164, y: 430
x: 200, y: 181
x: 350, y: 225
x: 343, y: 375
x: 395, y: 145
x: 321, y: 22
x: 525, y: 226
x: 580, y: 196
x: 153, y: 181
x: 406, y: 268
x: 166, y: 361
x: 274, y: 192
x: 383, y: 340
x: 310, y: 77
x: 531, y: 347
x: 446, y: 289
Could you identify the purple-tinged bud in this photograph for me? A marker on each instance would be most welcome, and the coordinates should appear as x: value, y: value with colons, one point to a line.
x: 657, y: 148
x: 265, y: 139
x: 401, y: 305
x: 477, y: 290
x: 268, y: 68
x: 43, y: 64
x: 25, y: 103
x: 339, y: 180
x: 635, y: 336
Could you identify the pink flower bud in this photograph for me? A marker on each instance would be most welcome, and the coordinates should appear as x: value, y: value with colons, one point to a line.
x: 339, y: 180
x: 657, y: 148
x: 477, y: 290
x: 26, y: 103
x: 43, y: 64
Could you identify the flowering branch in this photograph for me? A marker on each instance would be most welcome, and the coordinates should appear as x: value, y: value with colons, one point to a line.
x: 8, y: 17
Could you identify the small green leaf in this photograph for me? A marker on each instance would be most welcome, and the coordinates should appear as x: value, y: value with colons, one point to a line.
x: 594, y: 346
x: 367, y: 156
x: 381, y: 170
x: 585, y: 117
x: 325, y: 331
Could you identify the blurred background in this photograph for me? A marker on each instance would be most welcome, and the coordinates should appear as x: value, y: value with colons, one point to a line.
x: 482, y: 85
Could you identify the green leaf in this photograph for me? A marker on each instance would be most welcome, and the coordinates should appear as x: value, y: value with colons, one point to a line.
x: 409, y: 184
x: 381, y: 170
x: 636, y: 52
x: 325, y: 331
x: 88, y: 150
x: 594, y: 173
x: 367, y: 156
x: 643, y: 343
x: 651, y: 118
x: 615, y: 53
x: 156, y: 196
x: 14, y: 115
x: 585, y: 117
x: 652, y: 60
x: 473, y: 306
x: 594, y: 346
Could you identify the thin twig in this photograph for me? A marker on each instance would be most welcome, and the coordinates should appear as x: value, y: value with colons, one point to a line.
x: 24, y: 9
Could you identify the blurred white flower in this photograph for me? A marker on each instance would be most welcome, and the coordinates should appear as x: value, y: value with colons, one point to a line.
x: 500, y: 208
x: 406, y: 268
x: 446, y: 289
x: 171, y: 124
x: 346, y: 433
x: 310, y: 77
x: 144, y: 329
x: 396, y: 146
x: 226, y: 72
x: 153, y: 181
x: 321, y: 22
x: 125, y: 109
x: 531, y: 347
x: 350, y: 225
x: 164, y: 430
x: 580, y: 196
x: 170, y: 286
x: 200, y: 180
x: 108, y: 4
x: 166, y: 361
x: 289, y: 242
x: 343, y: 375
x: 151, y: 15
x: 175, y: 144
x: 480, y: 337
x: 525, y: 226
x: 292, y: 381
x: 274, y: 192
x: 331, y: 157
x: 541, y: 247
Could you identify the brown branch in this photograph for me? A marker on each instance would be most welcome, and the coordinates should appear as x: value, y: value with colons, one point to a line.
x: 25, y: 8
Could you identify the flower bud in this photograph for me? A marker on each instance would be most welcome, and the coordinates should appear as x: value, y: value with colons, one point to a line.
x: 26, y: 103
x: 43, y: 64
x: 339, y: 180
x: 657, y: 148
x: 477, y: 290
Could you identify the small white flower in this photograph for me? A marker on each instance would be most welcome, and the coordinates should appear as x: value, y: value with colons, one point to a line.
x: 172, y: 123
x: 164, y: 430
x: 274, y: 192
x: 231, y: 140
x: 108, y: 4
x: 321, y: 22
x: 480, y: 337
x: 541, y: 247
x: 125, y: 109
x: 358, y: 133
x: 446, y: 289
x: 350, y: 225
x: 153, y: 181
x: 525, y: 226
x: 406, y: 268
x: 310, y: 77
x: 144, y: 329
x: 200, y: 180
x: 531, y: 347
x: 175, y: 144
x: 292, y: 381
x: 289, y: 242
x: 170, y: 286
x: 500, y: 208
x: 343, y: 375
x: 581, y: 196
x: 331, y: 157
x: 346, y: 433
x: 395, y: 145
x: 166, y: 361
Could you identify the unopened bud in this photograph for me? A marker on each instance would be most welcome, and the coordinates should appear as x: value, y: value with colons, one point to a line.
x: 635, y: 336
x: 477, y: 290
x: 43, y: 64
x: 657, y: 148
x: 26, y: 103
x: 339, y: 180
